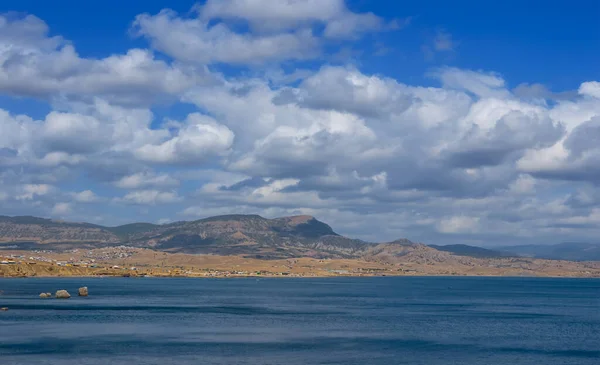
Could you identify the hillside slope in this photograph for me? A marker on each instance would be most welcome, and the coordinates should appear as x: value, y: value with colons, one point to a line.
x: 563, y: 251
x: 473, y: 251
x: 246, y: 235
x: 253, y: 236
x: 42, y: 231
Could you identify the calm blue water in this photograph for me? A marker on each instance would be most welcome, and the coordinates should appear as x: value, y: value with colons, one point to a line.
x: 425, y: 321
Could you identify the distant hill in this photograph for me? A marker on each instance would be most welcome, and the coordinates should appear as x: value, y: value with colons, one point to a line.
x: 246, y: 235
x: 41, y: 231
x: 250, y: 236
x: 254, y: 236
x: 472, y: 251
x: 128, y: 230
x: 573, y: 251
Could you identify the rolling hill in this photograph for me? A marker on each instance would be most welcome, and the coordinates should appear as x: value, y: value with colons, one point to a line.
x: 246, y: 235
x: 573, y: 251
x: 473, y: 251
x: 253, y: 236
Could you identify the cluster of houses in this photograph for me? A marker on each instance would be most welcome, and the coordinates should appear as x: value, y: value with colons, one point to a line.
x: 233, y: 273
x: 12, y: 260
x: 33, y: 260
x: 110, y: 253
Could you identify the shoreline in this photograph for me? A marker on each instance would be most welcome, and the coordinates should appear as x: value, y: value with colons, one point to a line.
x: 148, y: 263
x: 139, y: 277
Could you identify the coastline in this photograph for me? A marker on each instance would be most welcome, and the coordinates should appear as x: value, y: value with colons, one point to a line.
x: 200, y: 274
x: 135, y: 263
x: 304, y: 277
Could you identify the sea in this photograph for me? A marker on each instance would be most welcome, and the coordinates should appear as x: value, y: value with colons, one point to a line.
x: 293, y: 321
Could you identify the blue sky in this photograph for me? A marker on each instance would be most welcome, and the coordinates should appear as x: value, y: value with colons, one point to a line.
x: 444, y: 122
x: 525, y: 41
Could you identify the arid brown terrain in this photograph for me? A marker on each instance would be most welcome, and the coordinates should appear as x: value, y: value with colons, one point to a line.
x: 127, y: 261
x: 240, y: 245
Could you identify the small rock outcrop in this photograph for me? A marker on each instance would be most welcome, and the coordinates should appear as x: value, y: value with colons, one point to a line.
x: 45, y: 295
x: 62, y: 294
x: 83, y: 291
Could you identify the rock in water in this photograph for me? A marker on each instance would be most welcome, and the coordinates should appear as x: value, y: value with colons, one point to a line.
x: 62, y: 294
x: 83, y: 291
x: 45, y: 295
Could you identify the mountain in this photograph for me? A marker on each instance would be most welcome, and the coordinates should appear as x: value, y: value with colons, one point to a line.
x: 41, y: 231
x: 129, y: 230
x: 473, y: 251
x: 253, y: 236
x: 250, y: 236
x: 247, y: 235
x: 572, y: 251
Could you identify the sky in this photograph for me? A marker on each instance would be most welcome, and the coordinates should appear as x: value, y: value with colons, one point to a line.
x: 442, y: 122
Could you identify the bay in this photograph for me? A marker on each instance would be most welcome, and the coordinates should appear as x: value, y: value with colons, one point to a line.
x: 388, y: 320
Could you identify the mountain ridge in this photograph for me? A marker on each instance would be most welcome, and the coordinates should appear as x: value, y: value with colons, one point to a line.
x: 248, y: 236
x: 253, y: 236
x: 235, y: 234
x: 574, y: 251
x: 472, y: 251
